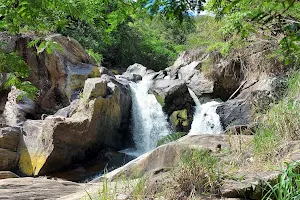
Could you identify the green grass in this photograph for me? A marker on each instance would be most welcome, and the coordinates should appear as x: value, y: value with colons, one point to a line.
x: 199, y: 173
x: 280, y: 124
x: 111, y: 190
x: 287, y: 186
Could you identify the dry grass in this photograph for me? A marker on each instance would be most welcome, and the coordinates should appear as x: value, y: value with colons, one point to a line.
x: 198, y: 173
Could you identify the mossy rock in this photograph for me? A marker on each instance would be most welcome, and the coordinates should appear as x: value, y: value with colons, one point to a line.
x: 116, y: 72
x: 160, y: 99
x: 180, y: 120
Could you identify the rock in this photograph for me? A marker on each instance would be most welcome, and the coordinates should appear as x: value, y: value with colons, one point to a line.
x: 137, y: 69
x: 37, y: 188
x: 173, y: 95
x: 16, y: 109
x: 7, y: 174
x: 69, y: 110
x: 168, y: 155
x: 100, y: 120
x: 195, y: 79
x: 234, y: 113
x: 227, y: 75
x: 130, y: 77
x: 9, y: 42
x: 264, y: 92
x: 104, y: 70
x: 181, y: 121
x: 10, y: 138
x: 254, y: 96
x: 9, y: 142
x: 187, y: 57
x: 176, y: 101
x: 8, y: 159
x: 59, y: 76
x: 74, y: 174
x: 94, y: 88
x: 251, y: 185
x: 77, y: 74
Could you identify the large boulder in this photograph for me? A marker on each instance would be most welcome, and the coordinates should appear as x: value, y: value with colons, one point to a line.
x: 172, y: 95
x: 9, y: 142
x: 176, y: 101
x: 196, y: 79
x: 59, y: 76
x: 37, y: 188
x: 7, y: 174
x: 136, y: 69
x: 208, y: 74
x: 18, y: 108
x: 101, y: 120
x: 168, y: 156
x: 234, y: 113
x: 263, y: 92
x: 255, y: 95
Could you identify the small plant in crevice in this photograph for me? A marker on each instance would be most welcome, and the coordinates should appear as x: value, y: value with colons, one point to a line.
x: 199, y: 172
x: 287, y: 187
x: 170, y: 138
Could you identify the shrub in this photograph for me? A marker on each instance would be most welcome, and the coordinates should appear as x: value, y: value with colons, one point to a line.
x: 198, y: 173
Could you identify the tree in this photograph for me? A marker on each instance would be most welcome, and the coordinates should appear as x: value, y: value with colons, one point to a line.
x: 277, y: 20
x: 103, y: 17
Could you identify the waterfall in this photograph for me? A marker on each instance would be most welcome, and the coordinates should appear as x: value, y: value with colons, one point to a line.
x: 149, y: 123
x: 206, y: 120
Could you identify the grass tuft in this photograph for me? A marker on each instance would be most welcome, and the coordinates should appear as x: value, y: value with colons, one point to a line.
x: 287, y: 186
x: 198, y: 173
x: 280, y: 124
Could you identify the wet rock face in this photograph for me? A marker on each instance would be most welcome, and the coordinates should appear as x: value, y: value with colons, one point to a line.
x: 100, y: 119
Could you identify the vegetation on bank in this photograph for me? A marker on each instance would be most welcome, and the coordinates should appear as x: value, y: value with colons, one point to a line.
x: 280, y: 124
x: 120, y: 33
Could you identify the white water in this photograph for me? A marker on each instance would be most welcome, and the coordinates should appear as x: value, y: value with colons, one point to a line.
x: 149, y: 123
x: 206, y: 120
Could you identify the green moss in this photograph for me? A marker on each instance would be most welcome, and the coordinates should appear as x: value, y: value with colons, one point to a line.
x: 116, y: 72
x: 179, y: 117
x: 160, y: 99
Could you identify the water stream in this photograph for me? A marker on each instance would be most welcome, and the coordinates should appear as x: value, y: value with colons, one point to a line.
x: 206, y: 120
x: 149, y: 122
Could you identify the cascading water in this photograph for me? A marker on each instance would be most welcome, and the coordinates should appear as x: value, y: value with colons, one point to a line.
x: 206, y: 120
x: 149, y: 123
